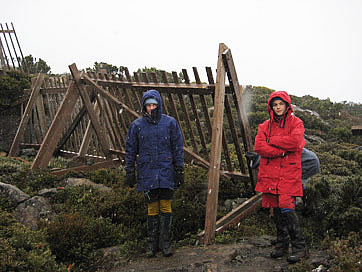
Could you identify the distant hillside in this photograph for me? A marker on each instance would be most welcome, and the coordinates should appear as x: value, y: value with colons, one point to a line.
x: 323, y: 119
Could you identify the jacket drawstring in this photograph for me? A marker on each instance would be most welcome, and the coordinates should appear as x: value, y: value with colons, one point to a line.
x: 270, y: 127
x: 285, y: 117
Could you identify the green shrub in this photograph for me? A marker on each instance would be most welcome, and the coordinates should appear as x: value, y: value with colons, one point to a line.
x: 333, y: 205
x: 335, y: 165
x: 12, y: 85
x: 22, y: 249
x: 9, y: 166
x: 18, y: 173
x: 111, y: 177
x: 74, y: 238
x: 123, y: 209
x: 346, y: 253
x: 189, y: 203
x: 256, y: 224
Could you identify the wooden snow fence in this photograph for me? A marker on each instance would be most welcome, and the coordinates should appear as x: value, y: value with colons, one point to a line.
x: 46, y: 95
x: 11, y: 55
x: 91, y: 114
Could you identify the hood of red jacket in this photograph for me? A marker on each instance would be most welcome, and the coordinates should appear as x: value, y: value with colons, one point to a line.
x: 285, y: 97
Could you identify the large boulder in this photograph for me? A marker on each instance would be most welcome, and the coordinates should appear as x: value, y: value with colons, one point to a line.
x: 14, y: 194
x: 30, y: 211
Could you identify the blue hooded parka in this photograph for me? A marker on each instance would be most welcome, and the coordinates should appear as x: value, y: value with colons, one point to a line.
x: 155, y: 143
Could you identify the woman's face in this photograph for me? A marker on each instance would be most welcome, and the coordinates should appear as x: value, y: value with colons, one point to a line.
x: 150, y: 107
x: 279, y: 107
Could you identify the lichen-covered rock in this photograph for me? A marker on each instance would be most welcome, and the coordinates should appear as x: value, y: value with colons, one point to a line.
x: 48, y: 192
x: 71, y: 182
x: 33, y: 209
x: 14, y: 194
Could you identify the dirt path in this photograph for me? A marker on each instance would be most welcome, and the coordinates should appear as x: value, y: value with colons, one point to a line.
x: 251, y: 254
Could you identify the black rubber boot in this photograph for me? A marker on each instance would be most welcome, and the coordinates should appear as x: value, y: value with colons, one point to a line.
x: 282, y: 242
x: 299, y: 248
x: 165, y: 234
x: 153, y: 235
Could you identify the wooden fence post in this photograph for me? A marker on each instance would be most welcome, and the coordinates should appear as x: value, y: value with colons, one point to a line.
x: 215, y: 156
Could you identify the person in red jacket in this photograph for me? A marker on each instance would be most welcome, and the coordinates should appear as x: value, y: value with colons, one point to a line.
x: 279, y: 142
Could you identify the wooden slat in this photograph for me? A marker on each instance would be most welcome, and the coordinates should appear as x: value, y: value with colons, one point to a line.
x: 87, y: 168
x: 127, y: 91
x: 181, y: 88
x: 116, y: 114
x: 122, y: 118
x: 164, y: 80
x: 249, y: 206
x: 104, y: 116
x: 7, y: 45
x: 108, y: 96
x: 113, y: 122
x: 129, y: 99
x: 88, y: 134
x: 74, y: 138
x: 70, y: 130
x: 234, y: 133
x: 80, y: 130
x: 196, y: 115
x: 137, y: 94
x: 194, y: 158
x: 127, y: 117
x: 243, y: 119
x: 174, y: 113
x: 164, y: 108
x: 41, y: 114
x: 54, y: 132
x: 144, y: 77
x: 225, y: 147
x: 215, y: 157
x: 27, y: 145
x: 186, y: 116
x: 2, y: 57
x: 36, y: 126
x: 34, y: 120
x: 107, y: 117
x: 140, y: 93
x: 14, y: 50
x: 26, y: 116
x: 123, y: 122
x: 203, y: 102
x: 99, y: 131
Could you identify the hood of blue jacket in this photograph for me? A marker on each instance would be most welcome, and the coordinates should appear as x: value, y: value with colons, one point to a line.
x: 152, y: 94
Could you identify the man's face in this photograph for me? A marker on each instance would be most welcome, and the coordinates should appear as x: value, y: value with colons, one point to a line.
x: 150, y: 107
x: 279, y: 107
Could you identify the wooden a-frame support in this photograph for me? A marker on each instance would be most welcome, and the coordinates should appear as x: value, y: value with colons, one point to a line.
x: 225, y: 65
x: 215, y: 156
x: 75, y: 90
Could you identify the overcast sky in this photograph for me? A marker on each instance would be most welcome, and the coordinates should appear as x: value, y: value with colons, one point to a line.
x: 305, y: 47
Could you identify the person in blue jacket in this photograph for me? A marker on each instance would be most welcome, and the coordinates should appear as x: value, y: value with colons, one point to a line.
x: 154, y: 143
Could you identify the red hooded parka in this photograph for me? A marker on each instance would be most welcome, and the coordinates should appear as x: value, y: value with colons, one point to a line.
x: 280, y: 142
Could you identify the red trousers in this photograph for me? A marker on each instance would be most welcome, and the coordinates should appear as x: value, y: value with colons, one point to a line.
x: 278, y: 201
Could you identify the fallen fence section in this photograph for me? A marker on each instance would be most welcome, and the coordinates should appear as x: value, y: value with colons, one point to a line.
x: 88, y: 115
x: 247, y: 207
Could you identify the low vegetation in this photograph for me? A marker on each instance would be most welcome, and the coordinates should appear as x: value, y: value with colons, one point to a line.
x: 88, y: 219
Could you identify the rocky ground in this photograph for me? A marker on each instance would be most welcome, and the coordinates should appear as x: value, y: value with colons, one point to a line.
x: 250, y: 254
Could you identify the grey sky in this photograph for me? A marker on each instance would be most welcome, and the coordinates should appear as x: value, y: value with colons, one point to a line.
x: 305, y: 47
